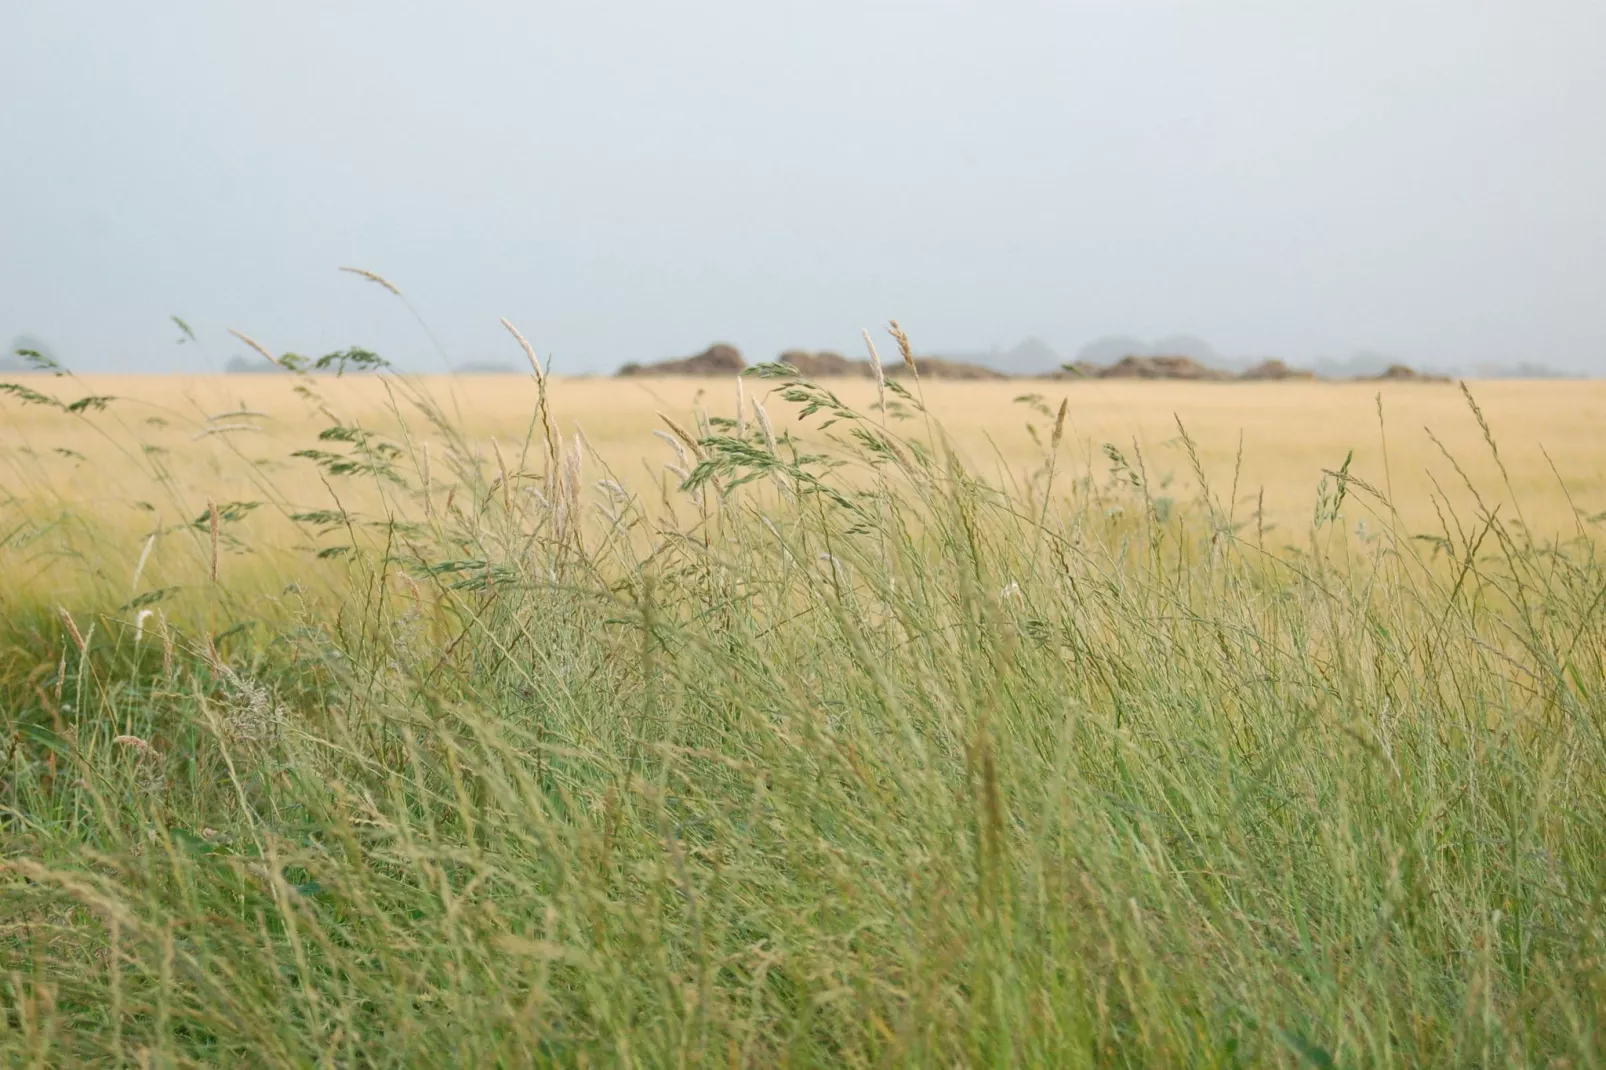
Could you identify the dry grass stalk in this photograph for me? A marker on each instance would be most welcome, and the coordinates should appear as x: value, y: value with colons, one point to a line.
x: 413, y: 588
x: 529, y: 350
x: 222, y: 429
x: 684, y: 435
x: 211, y: 510
x: 139, y: 566
x: 72, y: 629
x: 904, y: 348
x: 547, y: 428
x: 770, y: 443
x: 252, y: 714
x: 1059, y: 425
x: 423, y: 475
x: 764, y: 426
x: 681, y: 455
x: 373, y: 277
x: 502, y: 477
x: 574, y: 477
x: 167, y: 644
x: 134, y: 743
x: 254, y: 344
x: 880, y: 378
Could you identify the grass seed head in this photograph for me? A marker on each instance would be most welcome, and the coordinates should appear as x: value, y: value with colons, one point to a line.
x: 904, y: 348
x: 72, y: 629
x: 880, y: 376
x: 529, y: 350
x: 374, y: 278
x: 256, y: 345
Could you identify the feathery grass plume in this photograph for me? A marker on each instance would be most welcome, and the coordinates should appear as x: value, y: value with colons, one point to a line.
x: 222, y: 429
x: 423, y: 478
x: 880, y: 377
x: 553, y: 443
x: 139, y: 566
x: 374, y: 277
x: 904, y: 348
x: 139, y: 623
x: 149, y: 777
x: 685, y: 436
x: 574, y: 477
x: 134, y: 743
x: 764, y: 426
x: 72, y: 629
x: 1489, y: 440
x: 251, y: 712
x: 529, y: 350
x: 1048, y: 483
x: 215, y: 525
x: 413, y: 589
x: 256, y: 345
x: 776, y: 475
x: 674, y: 443
x: 908, y: 353
x: 167, y: 643
x: 741, y: 408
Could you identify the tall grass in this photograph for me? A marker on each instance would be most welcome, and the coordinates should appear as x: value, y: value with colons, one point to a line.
x: 851, y: 757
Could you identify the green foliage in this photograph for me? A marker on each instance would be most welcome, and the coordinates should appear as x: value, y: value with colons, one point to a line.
x: 370, y: 455
x: 41, y: 362
x: 29, y: 396
x: 355, y: 359
x: 227, y: 513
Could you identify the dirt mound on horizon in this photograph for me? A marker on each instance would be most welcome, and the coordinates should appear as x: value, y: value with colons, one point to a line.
x: 1274, y: 369
x: 1404, y: 373
x: 828, y: 365
x: 717, y: 359
x: 825, y: 365
x: 1162, y: 367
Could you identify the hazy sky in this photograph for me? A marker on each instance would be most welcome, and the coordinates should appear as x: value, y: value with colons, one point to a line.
x: 634, y: 180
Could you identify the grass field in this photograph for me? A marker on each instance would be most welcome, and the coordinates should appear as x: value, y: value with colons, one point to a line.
x: 1196, y: 725
x: 1272, y: 437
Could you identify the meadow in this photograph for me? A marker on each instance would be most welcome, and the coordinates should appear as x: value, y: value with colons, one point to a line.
x: 378, y: 721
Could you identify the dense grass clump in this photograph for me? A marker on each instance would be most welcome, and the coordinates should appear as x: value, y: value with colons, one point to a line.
x: 852, y: 758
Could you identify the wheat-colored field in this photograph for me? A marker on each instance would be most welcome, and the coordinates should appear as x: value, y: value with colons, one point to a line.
x: 1271, y: 438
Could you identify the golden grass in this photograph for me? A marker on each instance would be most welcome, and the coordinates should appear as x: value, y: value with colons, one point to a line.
x: 125, y: 498
x: 1288, y: 433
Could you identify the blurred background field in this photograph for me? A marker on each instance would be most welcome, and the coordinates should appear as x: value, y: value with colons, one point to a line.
x: 1290, y: 430
x: 231, y: 439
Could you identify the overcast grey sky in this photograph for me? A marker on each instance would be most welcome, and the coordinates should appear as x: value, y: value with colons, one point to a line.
x: 634, y: 180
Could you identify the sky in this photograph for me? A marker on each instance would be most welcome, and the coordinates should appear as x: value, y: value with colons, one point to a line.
x: 633, y: 180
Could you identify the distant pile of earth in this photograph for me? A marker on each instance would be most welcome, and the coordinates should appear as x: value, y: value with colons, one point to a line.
x: 723, y: 359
